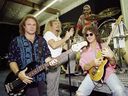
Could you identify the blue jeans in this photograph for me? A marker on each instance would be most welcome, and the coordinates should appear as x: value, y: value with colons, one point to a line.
x: 113, y: 83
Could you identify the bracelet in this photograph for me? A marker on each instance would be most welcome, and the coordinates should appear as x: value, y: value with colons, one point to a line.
x: 17, y: 73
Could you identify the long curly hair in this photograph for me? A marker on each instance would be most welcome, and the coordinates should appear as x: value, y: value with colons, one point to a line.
x: 94, y: 30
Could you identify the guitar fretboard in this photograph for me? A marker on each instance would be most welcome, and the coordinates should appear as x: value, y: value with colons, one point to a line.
x: 61, y: 59
x: 37, y: 70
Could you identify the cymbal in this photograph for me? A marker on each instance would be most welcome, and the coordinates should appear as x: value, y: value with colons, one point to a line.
x: 109, y: 12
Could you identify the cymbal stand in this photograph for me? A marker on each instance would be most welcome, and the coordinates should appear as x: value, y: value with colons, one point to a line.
x: 69, y: 73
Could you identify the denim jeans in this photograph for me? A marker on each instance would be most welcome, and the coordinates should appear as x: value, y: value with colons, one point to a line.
x: 113, y: 82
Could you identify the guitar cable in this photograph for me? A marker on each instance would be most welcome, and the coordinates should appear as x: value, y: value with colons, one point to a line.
x: 98, y: 84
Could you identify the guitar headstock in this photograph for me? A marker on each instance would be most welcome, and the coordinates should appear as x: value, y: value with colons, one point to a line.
x: 76, y: 47
x: 119, y: 20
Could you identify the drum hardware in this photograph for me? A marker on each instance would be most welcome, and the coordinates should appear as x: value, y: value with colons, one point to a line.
x: 119, y: 39
x: 107, y: 21
x: 105, y: 28
x: 104, y: 14
x: 106, y: 25
x: 119, y: 53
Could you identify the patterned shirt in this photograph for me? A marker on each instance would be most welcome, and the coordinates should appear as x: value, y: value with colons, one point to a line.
x: 23, y: 52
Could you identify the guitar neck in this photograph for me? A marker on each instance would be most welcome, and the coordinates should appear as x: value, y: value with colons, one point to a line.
x: 37, y: 70
x: 61, y: 59
x: 115, y: 26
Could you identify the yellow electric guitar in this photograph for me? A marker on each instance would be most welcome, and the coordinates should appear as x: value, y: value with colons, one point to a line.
x: 96, y: 73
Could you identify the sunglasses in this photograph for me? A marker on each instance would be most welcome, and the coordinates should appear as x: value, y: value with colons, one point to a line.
x: 90, y: 34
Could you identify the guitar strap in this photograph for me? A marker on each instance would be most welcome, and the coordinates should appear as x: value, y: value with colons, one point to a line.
x: 40, y: 40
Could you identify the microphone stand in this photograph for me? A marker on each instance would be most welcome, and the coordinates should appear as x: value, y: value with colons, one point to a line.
x: 69, y: 45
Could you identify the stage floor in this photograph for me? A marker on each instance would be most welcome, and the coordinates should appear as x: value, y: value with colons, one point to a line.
x: 64, y: 84
x: 76, y: 81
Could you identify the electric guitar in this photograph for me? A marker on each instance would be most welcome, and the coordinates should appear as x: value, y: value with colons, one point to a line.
x: 96, y: 73
x: 15, y: 87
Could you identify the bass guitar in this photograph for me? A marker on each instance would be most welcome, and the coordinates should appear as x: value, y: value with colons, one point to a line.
x: 15, y: 87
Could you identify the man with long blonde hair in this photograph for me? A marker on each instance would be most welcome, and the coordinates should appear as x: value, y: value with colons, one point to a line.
x: 55, y: 44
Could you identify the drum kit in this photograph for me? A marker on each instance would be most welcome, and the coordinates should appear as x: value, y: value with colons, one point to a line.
x: 105, y: 27
x: 109, y: 12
